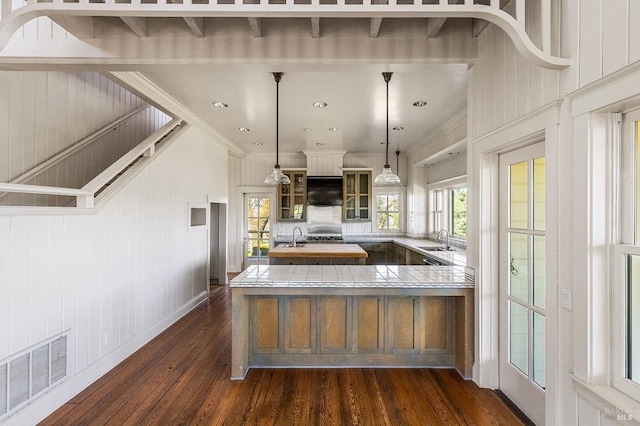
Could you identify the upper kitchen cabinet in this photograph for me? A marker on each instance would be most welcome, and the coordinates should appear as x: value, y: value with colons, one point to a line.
x: 357, y: 196
x: 293, y: 197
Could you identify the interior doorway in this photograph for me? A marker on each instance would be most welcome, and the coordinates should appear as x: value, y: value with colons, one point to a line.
x: 218, y: 244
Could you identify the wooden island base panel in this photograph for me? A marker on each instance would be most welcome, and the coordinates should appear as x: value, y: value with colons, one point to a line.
x: 352, y: 316
x: 318, y: 254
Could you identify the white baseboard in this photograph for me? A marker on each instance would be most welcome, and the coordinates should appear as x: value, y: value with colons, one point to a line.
x: 44, y: 405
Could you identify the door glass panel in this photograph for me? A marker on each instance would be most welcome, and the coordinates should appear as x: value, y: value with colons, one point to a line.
x: 518, y: 276
x: 518, y: 185
x: 539, y: 272
x: 518, y: 337
x: 538, y: 349
x: 257, y: 228
x: 539, y: 187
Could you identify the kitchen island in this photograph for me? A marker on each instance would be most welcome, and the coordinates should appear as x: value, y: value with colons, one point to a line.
x: 352, y: 316
x: 317, y: 254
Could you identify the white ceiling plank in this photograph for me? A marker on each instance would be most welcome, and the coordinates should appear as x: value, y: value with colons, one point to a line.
x: 138, y: 25
x: 315, y: 27
x: 256, y: 26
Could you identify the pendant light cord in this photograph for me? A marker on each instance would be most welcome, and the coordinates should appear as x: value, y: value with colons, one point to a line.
x: 387, y: 77
x: 277, y: 76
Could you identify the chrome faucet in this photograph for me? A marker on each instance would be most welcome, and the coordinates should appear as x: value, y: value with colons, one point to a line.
x: 294, y: 234
x: 445, y: 244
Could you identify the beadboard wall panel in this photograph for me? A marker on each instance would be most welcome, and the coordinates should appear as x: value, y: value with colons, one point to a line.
x: 503, y: 86
x: 111, y: 278
x: 44, y: 113
x: 609, y: 37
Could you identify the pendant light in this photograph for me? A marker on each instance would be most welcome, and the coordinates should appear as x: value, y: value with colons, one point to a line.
x: 387, y: 177
x: 277, y: 176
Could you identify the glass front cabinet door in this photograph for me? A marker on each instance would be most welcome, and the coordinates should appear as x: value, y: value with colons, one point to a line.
x: 357, y: 196
x: 293, y: 197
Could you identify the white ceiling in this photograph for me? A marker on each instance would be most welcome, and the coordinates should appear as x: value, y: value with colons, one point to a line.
x: 355, y: 97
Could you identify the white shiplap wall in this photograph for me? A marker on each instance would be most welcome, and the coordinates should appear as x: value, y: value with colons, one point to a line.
x: 503, y: 86
x: 114, y: 279
x: 43, y: 113
x: 608, y: 37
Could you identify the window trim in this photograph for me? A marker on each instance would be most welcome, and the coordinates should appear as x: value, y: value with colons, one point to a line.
x: 402, y: 192
x: 625, y: 154
x: 446, y: 214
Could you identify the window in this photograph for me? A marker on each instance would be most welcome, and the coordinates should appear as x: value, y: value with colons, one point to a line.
x: 448, y: 207
x: 388, y: 211
x: 459, y: 212
x: 626, y: 284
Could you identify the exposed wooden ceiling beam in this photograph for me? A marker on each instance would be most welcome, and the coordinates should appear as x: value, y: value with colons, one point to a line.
x: 138, y: 25
x: 256, y: 26
x: 478, y: 27
x: 434, y: 25
x: 196, y: 25
x: 315, y: 27
x: 374, y: 27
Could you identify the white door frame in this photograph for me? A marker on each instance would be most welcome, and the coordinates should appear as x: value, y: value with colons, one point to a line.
x: 483, y: 237
x: 271, y: 193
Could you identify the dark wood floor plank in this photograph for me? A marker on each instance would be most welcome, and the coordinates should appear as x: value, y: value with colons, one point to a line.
x: 183, y: 378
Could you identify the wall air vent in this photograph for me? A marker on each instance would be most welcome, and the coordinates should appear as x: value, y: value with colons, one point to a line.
x: 27, y: 374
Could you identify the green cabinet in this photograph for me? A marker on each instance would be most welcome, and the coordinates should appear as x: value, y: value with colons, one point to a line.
x: 293, y: 197
x: 357, y: 196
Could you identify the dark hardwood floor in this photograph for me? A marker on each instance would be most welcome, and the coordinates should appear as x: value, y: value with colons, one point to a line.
x: 182, y: 378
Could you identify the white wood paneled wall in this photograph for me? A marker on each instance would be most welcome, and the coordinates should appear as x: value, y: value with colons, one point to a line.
x: 43, y: 113
x: 254, y: 168
x: 115, y: 278
x: 503, y: 86
x: 609, y: 37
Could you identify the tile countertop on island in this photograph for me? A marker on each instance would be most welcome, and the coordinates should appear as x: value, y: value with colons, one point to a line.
x: 355, y: 276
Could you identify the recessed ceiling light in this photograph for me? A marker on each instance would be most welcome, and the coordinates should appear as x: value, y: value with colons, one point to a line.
x: 307, y: 129
x: 419, y: 103
x: 320, y: 144
x: 258, y: 143
x: 319, y: 104
x: 219, y: 104
x: 244, y: 129
x: 333, y: 129
x: 398, y: 128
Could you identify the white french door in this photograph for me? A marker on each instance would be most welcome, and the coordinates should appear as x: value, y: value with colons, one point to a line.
x: 523, y: 279
x: 257, y: 224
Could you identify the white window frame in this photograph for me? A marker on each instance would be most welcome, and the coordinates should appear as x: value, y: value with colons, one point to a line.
x: 439, y: 205
x: 401, y: 191
x: 624, y: 149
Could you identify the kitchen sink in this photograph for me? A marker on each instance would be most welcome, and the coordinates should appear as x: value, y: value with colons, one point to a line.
x: 297, y: 245
x: 438, y: 248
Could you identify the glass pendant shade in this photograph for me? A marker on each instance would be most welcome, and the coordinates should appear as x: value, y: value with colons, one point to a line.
x: 277, y: 177
x: 387, y: 177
